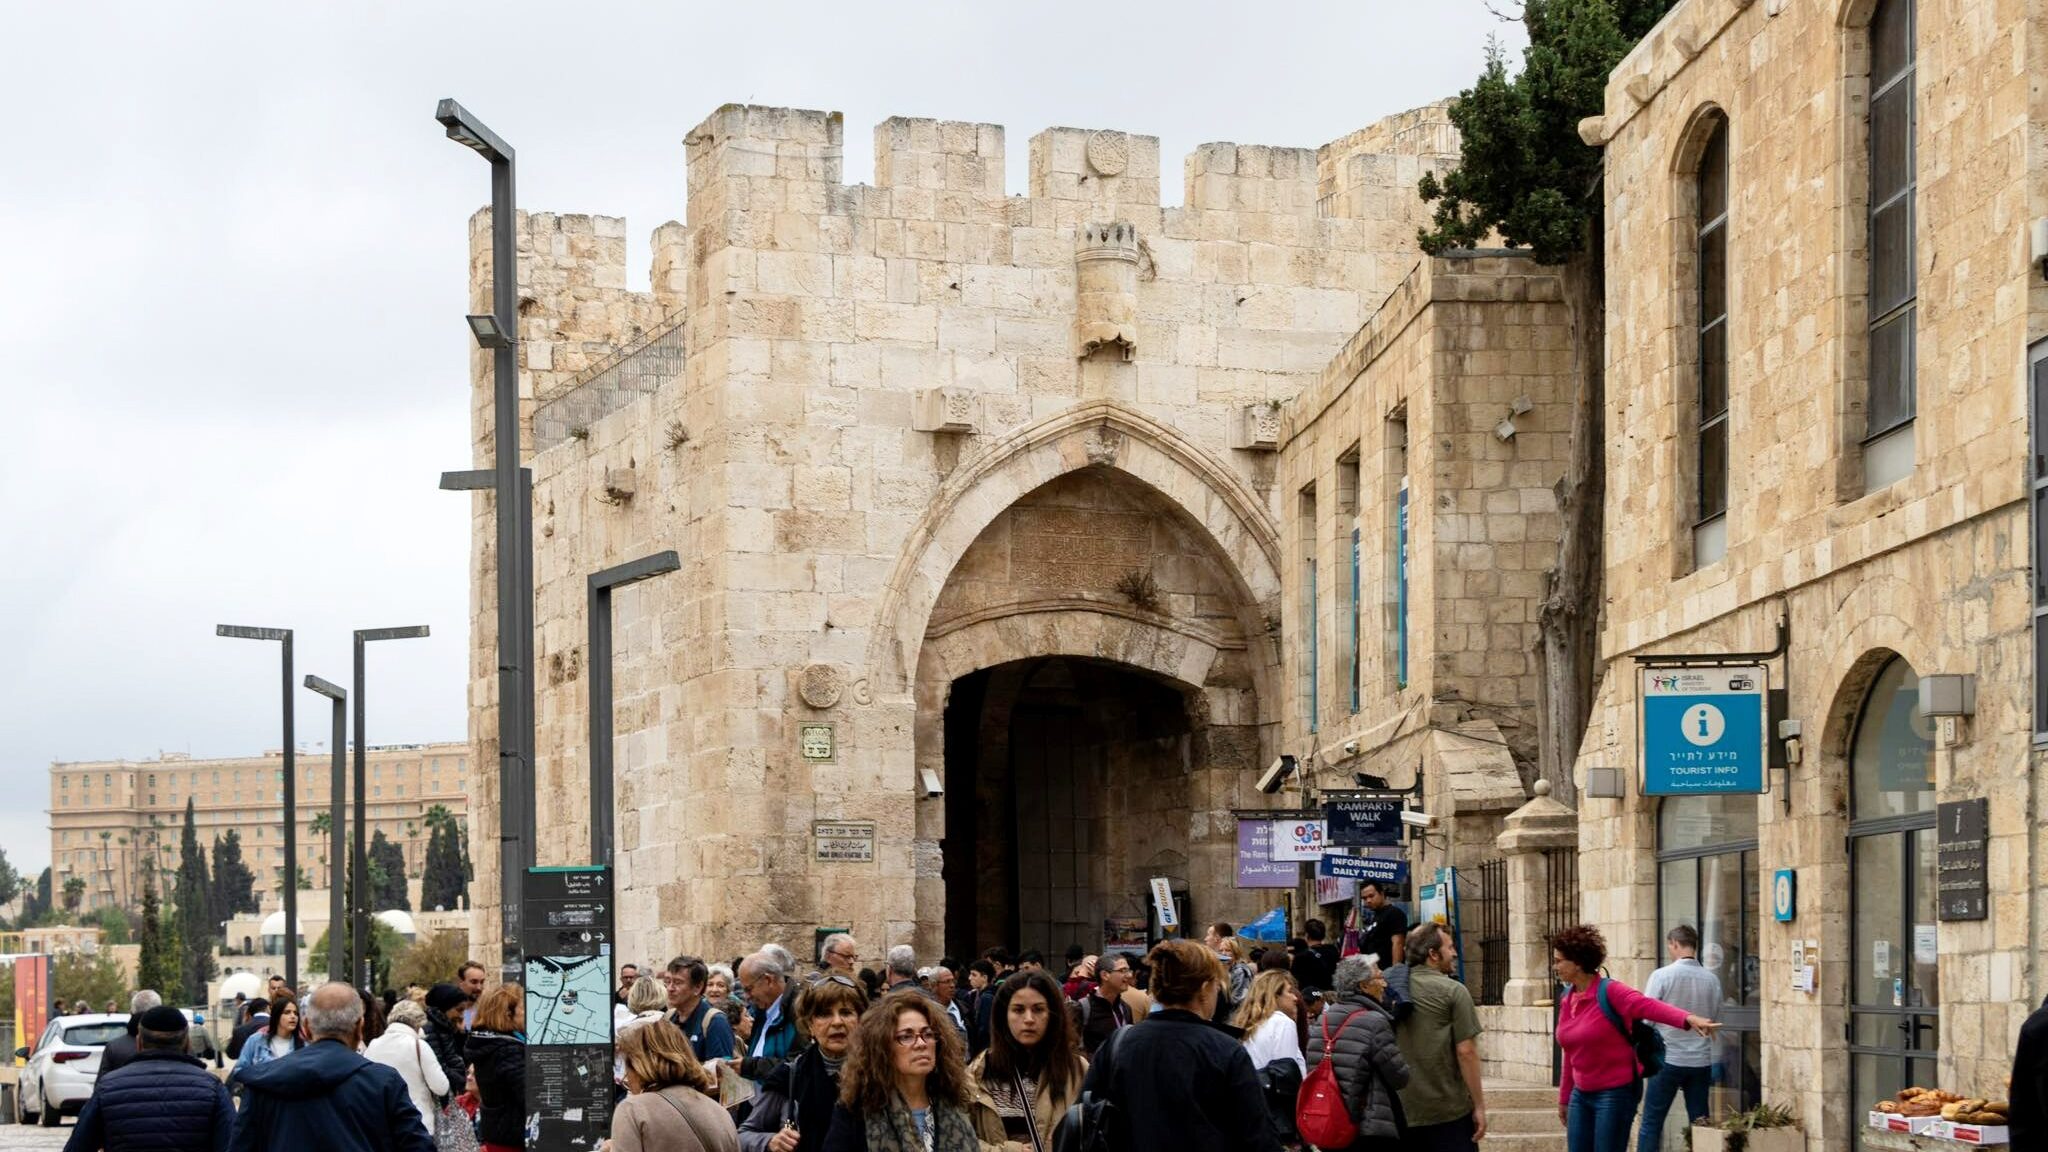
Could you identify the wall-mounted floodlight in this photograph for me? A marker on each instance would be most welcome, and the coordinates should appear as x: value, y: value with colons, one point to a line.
x: 1948, y: 695
x: 488, y: 334
x: 1604, y: 783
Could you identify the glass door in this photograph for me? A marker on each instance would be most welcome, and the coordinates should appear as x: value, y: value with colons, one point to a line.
x: 1894, y: 991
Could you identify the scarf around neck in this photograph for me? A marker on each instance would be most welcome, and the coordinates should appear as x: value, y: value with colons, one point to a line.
x: 896, y: 1129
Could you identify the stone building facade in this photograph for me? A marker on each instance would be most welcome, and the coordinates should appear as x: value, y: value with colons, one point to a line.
x: 107, y: 815
x: 1857, y: 563
x: 979, y: 509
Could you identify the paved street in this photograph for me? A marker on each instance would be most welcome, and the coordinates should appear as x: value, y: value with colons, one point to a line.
x: 14, y: 1137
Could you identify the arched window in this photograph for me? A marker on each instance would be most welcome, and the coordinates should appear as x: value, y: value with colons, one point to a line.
x: 1894, y: 996
x: 1707, y: 880
x: 1890, y: 402
x: 1710, y: 528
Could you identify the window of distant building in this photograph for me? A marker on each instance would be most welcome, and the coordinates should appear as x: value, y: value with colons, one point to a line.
x: 1890, y: 399
x: 1306, y: 535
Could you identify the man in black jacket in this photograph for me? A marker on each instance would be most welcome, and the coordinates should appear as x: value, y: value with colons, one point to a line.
x: 325, y: 1098
x: 258, y: 1019
x: 121, y: 1049
x: 160, y: 1099
x: 2029, y: 1091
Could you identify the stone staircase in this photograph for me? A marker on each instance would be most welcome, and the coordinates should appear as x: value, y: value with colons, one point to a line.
x: 1521, y: 1117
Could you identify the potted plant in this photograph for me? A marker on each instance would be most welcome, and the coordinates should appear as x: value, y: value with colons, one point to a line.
x: 1764, y: 1128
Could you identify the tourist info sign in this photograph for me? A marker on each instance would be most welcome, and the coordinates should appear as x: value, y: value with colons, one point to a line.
x: 1703, y: 730
x: 567, y: 944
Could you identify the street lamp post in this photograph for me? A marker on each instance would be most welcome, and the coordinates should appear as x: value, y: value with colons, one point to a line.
x: 602, y: 808
x: 337, y: 955
x: 359, y: 873
x: 291, y: 808
x: 497, y: 332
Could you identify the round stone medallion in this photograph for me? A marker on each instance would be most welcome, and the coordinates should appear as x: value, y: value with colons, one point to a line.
x: 819, y: 685
x: 1108, y: 153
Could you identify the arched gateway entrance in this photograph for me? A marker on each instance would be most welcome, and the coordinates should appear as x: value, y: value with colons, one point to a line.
x: 1091, y: 682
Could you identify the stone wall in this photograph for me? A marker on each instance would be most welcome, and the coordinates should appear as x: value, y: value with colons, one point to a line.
x: 1932, y: 568
x: 870, y: 376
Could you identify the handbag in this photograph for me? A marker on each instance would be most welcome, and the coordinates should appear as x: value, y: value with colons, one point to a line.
x: 453, y: 1131
x: 1646, y: 1042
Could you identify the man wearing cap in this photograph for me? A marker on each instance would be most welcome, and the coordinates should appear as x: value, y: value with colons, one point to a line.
x: 325, y: 1097
x: 160, y: 1099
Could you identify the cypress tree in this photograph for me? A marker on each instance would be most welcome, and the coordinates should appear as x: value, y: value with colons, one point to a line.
x: 197, y: 925
x: 234, y: 885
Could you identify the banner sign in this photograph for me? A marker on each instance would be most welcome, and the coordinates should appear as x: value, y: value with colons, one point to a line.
x: 1364, y: 819
x: 33, y: 981
x: 1256, y: 867
x: 1333, y: 890
x: 1703, y: 730
x: 1363, y: 868
x: 1162, y: 899
x: 567, y: 942
x: 1125, y: 934
x: 1299, y: 841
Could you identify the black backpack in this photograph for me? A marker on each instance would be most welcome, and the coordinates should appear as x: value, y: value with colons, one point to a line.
x: 1647, y: 1042
x: 1089, y: 1121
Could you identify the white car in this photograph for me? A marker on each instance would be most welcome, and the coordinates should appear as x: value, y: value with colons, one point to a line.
x: 63, y: 1066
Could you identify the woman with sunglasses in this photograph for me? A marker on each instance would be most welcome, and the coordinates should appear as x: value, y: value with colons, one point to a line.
x: 904, y: 1088
x: 1033, y: 1067
x: 793, y: 1110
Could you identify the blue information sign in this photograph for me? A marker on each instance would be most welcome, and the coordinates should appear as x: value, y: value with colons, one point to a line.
x: 1703, y: 730
x: 1363, y: 868
x: 1363, y: 819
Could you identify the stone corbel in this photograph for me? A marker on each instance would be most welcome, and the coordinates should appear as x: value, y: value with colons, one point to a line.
x: 948, y: 409
x: 1259, y: 429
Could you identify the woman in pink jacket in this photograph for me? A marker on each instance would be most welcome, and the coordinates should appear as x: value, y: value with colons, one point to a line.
x: 1602, y: 1086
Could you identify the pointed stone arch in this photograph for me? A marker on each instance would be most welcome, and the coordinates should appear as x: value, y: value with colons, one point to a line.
x: 1102, y: 434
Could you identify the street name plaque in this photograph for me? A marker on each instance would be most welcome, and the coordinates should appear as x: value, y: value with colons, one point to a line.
x: 1962, y: 860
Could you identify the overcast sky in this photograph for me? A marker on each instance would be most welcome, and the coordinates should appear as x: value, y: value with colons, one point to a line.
x: 231, y: 348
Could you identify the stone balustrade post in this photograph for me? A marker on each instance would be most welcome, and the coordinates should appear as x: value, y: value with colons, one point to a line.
x: 1533, y: 830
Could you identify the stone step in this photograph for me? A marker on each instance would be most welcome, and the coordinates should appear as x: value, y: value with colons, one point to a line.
x: 1521, y: 1120
x: 1522, y: 1141
x: 1541, y: 1097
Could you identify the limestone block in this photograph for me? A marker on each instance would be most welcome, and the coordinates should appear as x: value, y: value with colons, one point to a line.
x: 947, y: 409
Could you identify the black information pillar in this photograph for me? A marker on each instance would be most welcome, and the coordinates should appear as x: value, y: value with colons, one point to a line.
x: 566, y: 943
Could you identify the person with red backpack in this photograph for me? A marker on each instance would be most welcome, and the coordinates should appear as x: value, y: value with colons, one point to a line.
x: 1351, y: 1098
x: 1608, y: 1048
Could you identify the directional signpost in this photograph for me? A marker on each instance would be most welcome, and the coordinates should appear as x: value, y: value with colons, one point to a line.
x: 566, y: 939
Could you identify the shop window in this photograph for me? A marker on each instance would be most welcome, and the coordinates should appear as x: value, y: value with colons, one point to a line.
x: 1707, y: 878
x: 1890, y: 397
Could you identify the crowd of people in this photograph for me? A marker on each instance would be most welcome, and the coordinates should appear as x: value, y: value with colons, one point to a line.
x: 1193, y: 1046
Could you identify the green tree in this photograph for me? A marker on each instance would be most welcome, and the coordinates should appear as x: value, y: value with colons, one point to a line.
x: 159, y: 966
x: 74, y: 892
x: 387, y: 874
x: 323, y: 827
x: 94, y: 979
x: 431, y: 960
x: 386, y: 946
x: 1524, y: 173
x: 10, y: 880
x: 116, y: 925
x: 234, y: 885
x: 198, y: 926
x: 441, y: 882
x: 35, y: 905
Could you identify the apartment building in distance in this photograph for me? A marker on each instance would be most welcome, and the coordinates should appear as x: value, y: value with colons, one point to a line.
x: 106, y: 814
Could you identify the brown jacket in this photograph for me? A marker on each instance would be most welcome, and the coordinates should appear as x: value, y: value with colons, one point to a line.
x: 988, y: 1124
x: 675, y: 1119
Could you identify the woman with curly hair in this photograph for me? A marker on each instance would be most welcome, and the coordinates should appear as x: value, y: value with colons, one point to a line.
x: 1601, y: 1083
x: 671, y: 1107
x: 904, y: 1088
x: 1033, y: 1067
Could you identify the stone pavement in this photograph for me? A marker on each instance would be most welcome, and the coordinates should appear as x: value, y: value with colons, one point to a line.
x: 22, y: 1137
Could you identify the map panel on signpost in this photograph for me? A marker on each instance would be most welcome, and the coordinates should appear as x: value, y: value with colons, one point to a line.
x: 567, y: 949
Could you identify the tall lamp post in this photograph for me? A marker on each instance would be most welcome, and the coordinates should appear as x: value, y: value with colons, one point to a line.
x: 359, y: 873
x: 337, y: 955
x: 291, y: 804
x: 602, y: 808
x: 497, y: 332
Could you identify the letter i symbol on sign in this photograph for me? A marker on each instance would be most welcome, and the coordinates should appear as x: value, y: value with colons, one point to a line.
x: 1701, y: 715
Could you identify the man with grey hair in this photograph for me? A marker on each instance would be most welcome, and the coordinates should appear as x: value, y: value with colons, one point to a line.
x: 771, y: 1001
x: 121, y: 1049
x: 784, y: 958
x: 902, y: 972
x: 326, y: 1098
x: 1688, y: 1056
x: 839, y: 955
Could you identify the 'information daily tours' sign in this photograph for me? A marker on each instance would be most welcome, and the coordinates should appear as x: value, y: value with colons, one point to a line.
x: 1703, y: 730
x: 567, y: 942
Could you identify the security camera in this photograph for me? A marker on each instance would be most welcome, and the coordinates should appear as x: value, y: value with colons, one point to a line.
x: 933, y: 786
x: 1276, y: 775
x: 1351, y: 747
x: 1415, y: 819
